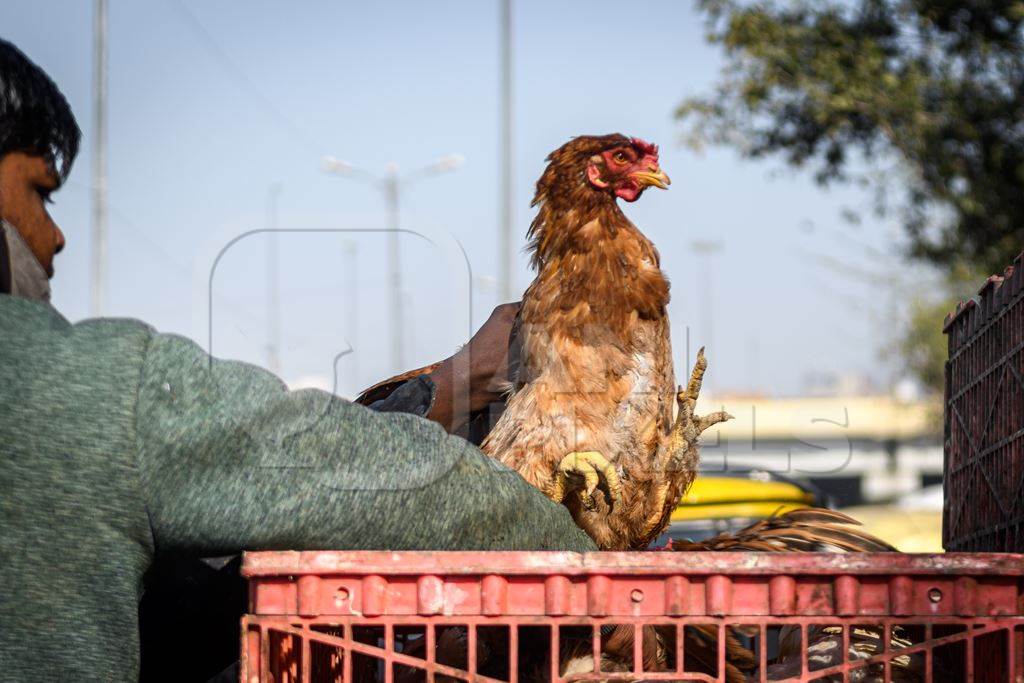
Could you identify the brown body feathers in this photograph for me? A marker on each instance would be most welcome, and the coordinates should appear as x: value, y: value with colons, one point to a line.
x: 596, y: 360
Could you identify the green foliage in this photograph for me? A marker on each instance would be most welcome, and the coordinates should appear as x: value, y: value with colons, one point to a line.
x: 921, y: 345
x: 841, y: 86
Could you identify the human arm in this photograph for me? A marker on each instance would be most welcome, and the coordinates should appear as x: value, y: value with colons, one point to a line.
x: 230, y: 460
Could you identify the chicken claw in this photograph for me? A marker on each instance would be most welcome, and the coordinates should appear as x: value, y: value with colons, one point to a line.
x: 590, y: 465
x: 680, y: 453
x: 688, y: 427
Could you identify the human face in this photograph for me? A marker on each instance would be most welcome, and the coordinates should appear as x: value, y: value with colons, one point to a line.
x: 26, y: 181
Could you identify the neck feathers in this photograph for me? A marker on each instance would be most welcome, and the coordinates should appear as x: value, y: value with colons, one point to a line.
x: 566, y: 215
x: 590, y: 258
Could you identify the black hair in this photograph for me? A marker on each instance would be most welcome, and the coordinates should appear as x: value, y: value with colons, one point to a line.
x: 34, y: 115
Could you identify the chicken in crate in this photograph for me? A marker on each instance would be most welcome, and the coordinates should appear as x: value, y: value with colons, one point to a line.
x: 350, y: 617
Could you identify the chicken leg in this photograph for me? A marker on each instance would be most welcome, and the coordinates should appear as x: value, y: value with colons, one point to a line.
x: 686, y: 430
x: 591, y: 466
x: 679, y: 455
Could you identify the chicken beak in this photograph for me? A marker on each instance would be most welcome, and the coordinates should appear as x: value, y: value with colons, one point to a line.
x: 654, y: 176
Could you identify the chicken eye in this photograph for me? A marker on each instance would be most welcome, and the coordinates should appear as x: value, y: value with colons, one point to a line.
x: 620, y: 157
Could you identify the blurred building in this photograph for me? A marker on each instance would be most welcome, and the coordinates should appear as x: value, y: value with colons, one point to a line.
x: 857, y: 449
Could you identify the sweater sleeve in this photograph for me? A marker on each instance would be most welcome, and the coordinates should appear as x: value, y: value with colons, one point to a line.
x: 230, y: 461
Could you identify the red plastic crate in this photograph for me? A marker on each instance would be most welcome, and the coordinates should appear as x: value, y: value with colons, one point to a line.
x: 400, y: 617
x: 984, y: 419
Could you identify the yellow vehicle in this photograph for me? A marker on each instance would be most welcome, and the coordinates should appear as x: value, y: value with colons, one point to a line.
x: 718, y: 503
x: 722, y: 502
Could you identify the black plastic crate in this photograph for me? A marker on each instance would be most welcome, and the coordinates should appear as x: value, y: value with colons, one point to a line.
x: 984, y: 419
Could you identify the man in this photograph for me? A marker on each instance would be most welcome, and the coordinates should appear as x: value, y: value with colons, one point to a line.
x: 119, y: 445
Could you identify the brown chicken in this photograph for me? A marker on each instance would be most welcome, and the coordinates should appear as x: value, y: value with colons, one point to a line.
x: 590, y: 417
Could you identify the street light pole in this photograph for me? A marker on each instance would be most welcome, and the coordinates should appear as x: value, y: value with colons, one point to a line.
x: 99, y: 158
x: 352, y: 265
x: 506, y: 260
x: 273, y: 284
x: 391, y: 184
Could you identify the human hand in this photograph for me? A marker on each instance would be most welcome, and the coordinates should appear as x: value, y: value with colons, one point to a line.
x: 472, y: 378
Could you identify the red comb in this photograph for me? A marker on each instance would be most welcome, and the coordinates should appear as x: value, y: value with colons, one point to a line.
x: 644, y: 146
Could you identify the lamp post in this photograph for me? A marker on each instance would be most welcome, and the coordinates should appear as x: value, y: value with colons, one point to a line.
x: 351, y: 250
x: 506, y: 249
x: 391, y: 185
x: 99, y: 160
x: 273, y: 283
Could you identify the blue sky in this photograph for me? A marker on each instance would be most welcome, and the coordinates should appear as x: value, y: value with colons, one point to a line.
x: 212, y: 103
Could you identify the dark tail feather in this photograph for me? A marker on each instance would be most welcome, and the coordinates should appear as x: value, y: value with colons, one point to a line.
x: 810, y: 530
x: 382, y: 390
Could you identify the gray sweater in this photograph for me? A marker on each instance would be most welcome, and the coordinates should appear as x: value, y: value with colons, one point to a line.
x: 117, y: 443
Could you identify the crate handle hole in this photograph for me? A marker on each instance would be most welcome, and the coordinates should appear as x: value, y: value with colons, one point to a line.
x: 637, y: 595
x: 340, y: 596
x: 935, y: 595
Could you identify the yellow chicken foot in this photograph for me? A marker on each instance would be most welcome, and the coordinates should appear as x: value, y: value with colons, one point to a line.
x: 591, y: 466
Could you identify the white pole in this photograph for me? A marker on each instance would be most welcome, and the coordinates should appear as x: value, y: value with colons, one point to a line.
x: 506, y: 243
x: 395, y: 271
x: 99, y: 159
x: 352, y: 265
x: 273, y: 284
